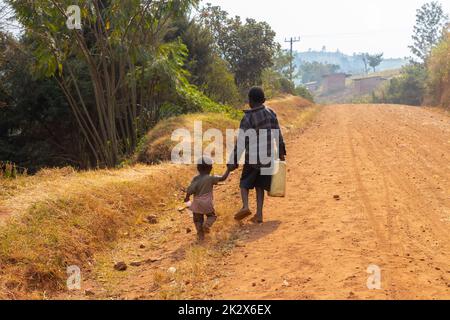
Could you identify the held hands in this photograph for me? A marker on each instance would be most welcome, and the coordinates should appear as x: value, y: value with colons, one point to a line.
x: 232, y: 167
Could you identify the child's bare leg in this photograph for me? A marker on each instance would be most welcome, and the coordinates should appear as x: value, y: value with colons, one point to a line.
x: 260, y: 204
x: 211, y: 219
x: 245, y: 211
x: 199, y: 220
x: 244, y: 194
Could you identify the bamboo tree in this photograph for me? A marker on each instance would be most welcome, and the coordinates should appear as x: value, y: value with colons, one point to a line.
x: 122, y: 50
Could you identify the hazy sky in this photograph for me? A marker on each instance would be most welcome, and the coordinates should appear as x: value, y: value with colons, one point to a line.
x: 348, y: 25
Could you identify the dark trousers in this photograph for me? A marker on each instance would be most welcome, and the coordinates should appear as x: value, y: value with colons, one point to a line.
x: 201, y: 224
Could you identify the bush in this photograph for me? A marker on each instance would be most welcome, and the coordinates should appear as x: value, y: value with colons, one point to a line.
x: 157, y: 145
x: 275, y: 83
x: 408, y: 88
x: 220, y: 84
x: 304, y: 93
x: 191, y: 100
x: 438, y: 83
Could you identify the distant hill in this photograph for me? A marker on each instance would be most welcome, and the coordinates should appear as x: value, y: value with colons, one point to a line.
x: 348, y: 63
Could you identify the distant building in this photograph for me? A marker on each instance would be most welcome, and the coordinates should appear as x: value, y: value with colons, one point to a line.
x: 334, y: 82
x: 312, y: 86
x: 367, y: 85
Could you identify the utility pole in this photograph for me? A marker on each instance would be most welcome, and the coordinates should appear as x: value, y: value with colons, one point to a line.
x: 292, y: 40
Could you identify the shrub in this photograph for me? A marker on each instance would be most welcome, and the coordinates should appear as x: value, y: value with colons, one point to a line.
x: 220, y: 84
x: 157, y: 145
x: 304, y: 93
x: 408, y: 88
x: 438, y: 83
x: 192, y: 100
x: 275, y: 83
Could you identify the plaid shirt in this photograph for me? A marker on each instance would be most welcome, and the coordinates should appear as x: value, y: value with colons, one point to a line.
x: 261, y: 118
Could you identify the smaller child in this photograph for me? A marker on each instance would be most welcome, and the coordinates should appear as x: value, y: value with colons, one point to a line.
x: 202, y: 189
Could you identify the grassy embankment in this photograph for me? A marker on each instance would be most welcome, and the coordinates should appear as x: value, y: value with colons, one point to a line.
x: 61, y: 217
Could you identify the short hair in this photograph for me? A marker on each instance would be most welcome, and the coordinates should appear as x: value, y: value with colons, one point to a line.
x: 205, y: 165
x: 256, y: 95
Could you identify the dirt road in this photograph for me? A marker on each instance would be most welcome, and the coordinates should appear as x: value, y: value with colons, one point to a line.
x: 368, y: 185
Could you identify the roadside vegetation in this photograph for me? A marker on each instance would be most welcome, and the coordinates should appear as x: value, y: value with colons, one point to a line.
x: 60, y: 218
x: 425, y: 80
x: 88, y: 99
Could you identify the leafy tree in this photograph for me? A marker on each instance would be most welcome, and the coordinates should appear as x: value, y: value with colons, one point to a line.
x: 36, y: 125
x: 247, y: 46
x: 428, y: 31
x: 207, y: 69
x: 283, y: 62
x: 314, y: 71
x: 251, y: 51
x: 277, y: 78
x: 5, y: 15
x: 274, y: 83
x: 438, y: 81
x: 428, y: 77
x: 409, y: 88
x: 365, y: 59
x: 375, y: 60
x: 115, y: 71
x: 200, y: 46
x: 220, y: 84
x: 218, y: 22
x: 304, y: 93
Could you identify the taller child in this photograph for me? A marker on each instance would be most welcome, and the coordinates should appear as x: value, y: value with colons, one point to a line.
x: 258, y: 118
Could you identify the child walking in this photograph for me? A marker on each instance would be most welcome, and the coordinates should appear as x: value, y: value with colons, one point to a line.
x: 202, y: 189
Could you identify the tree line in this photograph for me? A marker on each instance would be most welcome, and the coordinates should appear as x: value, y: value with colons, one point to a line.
x: 425, y: 80
x: 314, y: 71
x: 86, y: 97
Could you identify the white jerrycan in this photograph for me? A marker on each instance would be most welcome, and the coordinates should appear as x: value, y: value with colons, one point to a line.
x: 278, y: 187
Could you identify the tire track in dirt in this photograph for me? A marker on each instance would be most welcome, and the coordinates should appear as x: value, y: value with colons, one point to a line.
x: 394, y: 177
x: 413, y: 191
x: 389, y: 178
x: 412, y: 194
x: 384, y: 241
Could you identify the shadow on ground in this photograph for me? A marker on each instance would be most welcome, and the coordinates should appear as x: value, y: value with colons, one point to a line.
x: 258, y: 232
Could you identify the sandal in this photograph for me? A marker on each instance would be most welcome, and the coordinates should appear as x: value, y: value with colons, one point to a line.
x: 242, y: 214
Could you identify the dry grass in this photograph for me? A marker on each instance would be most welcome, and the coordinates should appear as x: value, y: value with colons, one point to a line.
x: 197, y: 273
x: 58, y: 227
x: 293, y: 112
x: 157, y: 145
x: 172, y: 246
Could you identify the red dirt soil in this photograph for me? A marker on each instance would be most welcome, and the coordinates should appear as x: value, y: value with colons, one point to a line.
x: 390, y: 167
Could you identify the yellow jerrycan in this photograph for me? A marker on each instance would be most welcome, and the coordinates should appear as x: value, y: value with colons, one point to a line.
x: 278, y: 187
